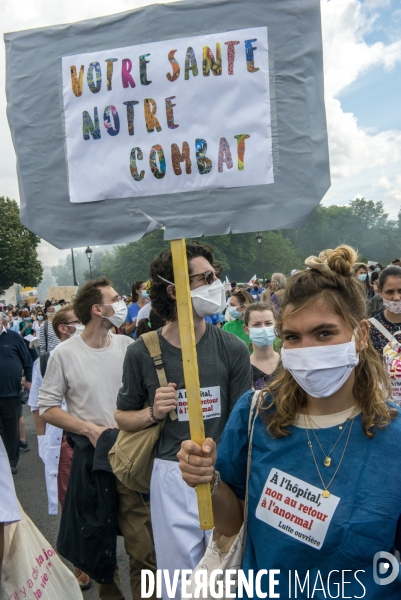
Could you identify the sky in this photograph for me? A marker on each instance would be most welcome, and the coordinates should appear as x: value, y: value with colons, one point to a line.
x: 362, y: 68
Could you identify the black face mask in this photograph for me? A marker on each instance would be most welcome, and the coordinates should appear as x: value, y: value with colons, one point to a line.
x: 255, y: 287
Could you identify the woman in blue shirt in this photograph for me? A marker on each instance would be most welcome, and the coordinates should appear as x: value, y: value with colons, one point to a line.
x: 139, y: 299
x: 324, y: 492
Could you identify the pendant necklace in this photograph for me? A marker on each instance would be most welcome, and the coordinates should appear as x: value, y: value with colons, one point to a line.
x: 325, y: 492
x: 327, y: 458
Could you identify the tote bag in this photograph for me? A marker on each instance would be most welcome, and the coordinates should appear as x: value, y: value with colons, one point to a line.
x: 131, y: 457
x: 223, y: 552
x: 31, y: 568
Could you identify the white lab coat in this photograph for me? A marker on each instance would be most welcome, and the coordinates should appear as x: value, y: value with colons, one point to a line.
x: 49, y: 444
x: 9, y: 509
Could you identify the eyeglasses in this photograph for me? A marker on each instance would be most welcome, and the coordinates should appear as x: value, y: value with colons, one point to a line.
x: 207, y: 275
x: 72, y: 323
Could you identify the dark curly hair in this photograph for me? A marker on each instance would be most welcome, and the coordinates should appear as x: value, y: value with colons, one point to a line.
x: 162, y: 266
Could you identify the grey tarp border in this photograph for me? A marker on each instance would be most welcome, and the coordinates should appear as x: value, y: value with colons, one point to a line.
x: 300, y: 148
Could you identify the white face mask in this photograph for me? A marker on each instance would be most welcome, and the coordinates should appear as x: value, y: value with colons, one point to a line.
x: 209, y: 300
x: 120, y: 313
x: 78, y: 329
x: 321, y: 370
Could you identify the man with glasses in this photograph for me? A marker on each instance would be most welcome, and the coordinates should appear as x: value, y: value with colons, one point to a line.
x: 224, y: 373
x: 86, y: 370
x: 54, y: 449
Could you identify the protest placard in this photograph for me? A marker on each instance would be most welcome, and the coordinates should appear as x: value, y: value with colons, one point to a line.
x: 203, y: 118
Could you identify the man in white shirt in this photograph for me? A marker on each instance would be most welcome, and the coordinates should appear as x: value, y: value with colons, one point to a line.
x: 87, y: 371
x: 54, y: 449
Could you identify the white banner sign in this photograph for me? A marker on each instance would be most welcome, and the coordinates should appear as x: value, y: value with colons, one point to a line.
x: 296, y: 508
x: 173, y: 116
x: 211, y: 403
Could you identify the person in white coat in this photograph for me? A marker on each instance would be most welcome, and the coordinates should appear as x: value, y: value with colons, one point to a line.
x: 53, y: 447
x: 9, y: 509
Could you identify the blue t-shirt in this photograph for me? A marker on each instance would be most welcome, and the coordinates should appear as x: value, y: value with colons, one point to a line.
x: 132, y: 314
x: 256, y: 294
x: 364, y: 521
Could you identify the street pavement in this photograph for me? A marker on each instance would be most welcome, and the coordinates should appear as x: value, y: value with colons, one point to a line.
x: 31, y: 491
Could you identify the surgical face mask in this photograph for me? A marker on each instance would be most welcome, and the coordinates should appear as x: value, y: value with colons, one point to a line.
x: 377, y: 269
x: 234, y: 313
x: 321, y: 370
x: 362, y: 277
x: 40, y: 317
x: 78, y: 329
x: 262, y: 336
x: 209, y: 300
x: 144, y: 294
x: 57, y: 308
x: 393, y: 306
x: 120, y: 313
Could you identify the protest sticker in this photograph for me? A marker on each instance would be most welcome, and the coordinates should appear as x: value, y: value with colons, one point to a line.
x: 296, y: 508
x: 202, y: 118
x: 210, y: 399
x: 166, y: 117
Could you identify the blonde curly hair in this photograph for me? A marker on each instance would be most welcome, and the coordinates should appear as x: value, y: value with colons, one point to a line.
x: 331, y: 277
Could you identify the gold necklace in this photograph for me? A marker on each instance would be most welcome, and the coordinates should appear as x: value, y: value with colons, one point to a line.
x: 325, y: 492
x: 327, y: 459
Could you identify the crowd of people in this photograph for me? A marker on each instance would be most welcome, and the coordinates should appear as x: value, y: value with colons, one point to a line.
x: 312, y: 361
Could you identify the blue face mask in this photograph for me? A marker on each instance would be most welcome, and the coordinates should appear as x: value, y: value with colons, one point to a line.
x: 234, y: 313
x: 362, y: 277
x: 377, y: 270
x: 144, y: 294
x: 262, y: 336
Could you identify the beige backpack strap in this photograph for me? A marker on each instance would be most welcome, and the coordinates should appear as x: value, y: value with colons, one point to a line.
x: 382, y: 329
x: 152, y: 343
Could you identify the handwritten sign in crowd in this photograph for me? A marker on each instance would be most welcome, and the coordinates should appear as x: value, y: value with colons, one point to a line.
x: 165, y: 117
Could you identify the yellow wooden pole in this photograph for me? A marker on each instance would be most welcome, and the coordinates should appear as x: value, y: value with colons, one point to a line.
x: 190, y: 365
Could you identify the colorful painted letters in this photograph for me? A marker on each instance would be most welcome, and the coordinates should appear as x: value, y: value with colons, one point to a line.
x: 177, y: 157
x: 90, y: 128
x: 210, y: 63
x: 158, y: 173
x: 109, y: 75
x: 170, y: 114
x: 152, y: 122
x: 174, y: 65
x: 133, y: 168
x: 190, y: 63
x: 130, y: 115
x: 77, y: 83
x: 94, y: 87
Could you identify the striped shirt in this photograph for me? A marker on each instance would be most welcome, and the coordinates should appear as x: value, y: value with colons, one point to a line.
x: 52, y: 339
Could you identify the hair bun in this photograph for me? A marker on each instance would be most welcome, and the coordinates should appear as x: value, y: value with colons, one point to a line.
x: 341, y: 260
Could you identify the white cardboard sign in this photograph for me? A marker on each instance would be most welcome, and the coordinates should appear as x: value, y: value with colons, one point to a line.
x: 296, y: 508
x: 171, y: 116
x: 211, y: 403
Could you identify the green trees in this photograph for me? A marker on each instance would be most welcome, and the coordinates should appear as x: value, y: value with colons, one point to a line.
x: 363, y: 224
x: 18, y: 258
